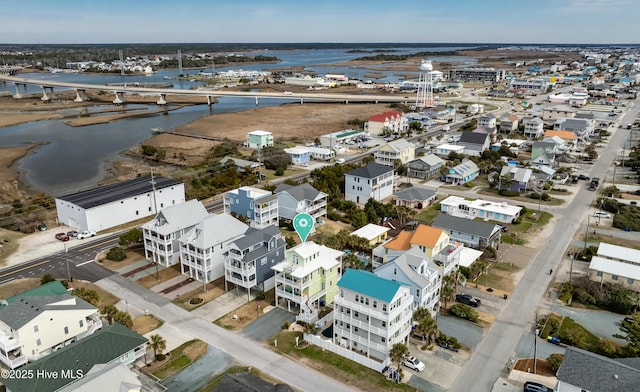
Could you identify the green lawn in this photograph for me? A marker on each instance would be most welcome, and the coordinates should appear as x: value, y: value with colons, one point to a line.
x: 338, y: 367
x: 181, y: 357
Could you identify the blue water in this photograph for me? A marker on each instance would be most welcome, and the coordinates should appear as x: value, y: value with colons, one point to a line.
x: 74, y: 158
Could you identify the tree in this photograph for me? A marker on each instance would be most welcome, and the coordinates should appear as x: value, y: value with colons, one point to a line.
x: 554, y: 361
x: 631, y: 335
x: 133, y: 236
x: 46, y: 279
x: 427, y: 326
x: 108, y: 312
x: 157, y: 344
x: 449, y: 286
x: 398, y: 352
x: 123, y: 318
x: 116, y: 254
x: 88, y: 295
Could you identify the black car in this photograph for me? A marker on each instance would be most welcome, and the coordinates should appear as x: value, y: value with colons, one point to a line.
x: 531, y: 386
x: 467, y: 299
x: 583, y: 177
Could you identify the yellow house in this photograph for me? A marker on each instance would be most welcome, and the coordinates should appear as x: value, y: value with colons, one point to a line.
x: 374, y: 234
x: 397, y: 150
x: 307, y: 279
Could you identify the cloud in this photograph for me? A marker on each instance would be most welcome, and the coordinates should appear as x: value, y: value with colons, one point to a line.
x: 599, y: 5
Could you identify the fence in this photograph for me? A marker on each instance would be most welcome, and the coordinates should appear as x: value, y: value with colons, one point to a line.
x: 346, y: 353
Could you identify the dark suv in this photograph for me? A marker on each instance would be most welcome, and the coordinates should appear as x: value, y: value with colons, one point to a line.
x: 467, y: 299
x: 531, y: 386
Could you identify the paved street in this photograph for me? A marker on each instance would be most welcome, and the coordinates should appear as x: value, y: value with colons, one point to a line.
x: 244, y: 350
x: 268, y: 325
x: 488, y: 361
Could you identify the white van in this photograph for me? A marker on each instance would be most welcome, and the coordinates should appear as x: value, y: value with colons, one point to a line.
x: 340, y: 160
x: 599, y: 214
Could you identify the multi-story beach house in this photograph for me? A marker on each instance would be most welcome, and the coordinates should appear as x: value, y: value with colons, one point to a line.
x: 259, y: 139
x: 258, y: 206
x: 371, y: 314
x: 371, y: 181
x: 162, y: 232
x: 43, y: 320
x: 300, y: 199
x: 395, y: 152
x: 307, y: 279
x: 203, y: 247
x: 250, y: 259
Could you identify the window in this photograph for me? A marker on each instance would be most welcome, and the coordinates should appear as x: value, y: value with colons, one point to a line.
x: 66, y: 330
x: 342, y: 293
x: 357, y: 298
x: 263, y: 261
x: 355, y: 329
x: 38, y: 342
x: 384, y: 307
x: 375, y: 304
x: 599, y: 273
x: 355, y: 314
x: 614, y: 277
x: 383, y: 339
x: 137, y: 213
x: 384, y: 324
x: 366, y: 301
x: 630, y: 281
x: 81, y: 323
x: 35, y: 328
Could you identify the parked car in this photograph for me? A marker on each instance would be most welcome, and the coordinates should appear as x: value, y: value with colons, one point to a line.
x: 531, y: 386
x: 599, y: 214
x: 413, y: 363
x: 62, y: 237
x: 340, y: 160
x: 583, y: 177
x: 42, y: 226
x: 503, y: 228
x: 72, y: 233
x: 86, y: 234
x: 467, y: 299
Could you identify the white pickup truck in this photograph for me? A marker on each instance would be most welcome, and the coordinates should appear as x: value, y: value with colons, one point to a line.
x: 86, y: 234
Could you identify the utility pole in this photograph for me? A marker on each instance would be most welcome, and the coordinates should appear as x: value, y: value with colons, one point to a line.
x: 586, y: 237
x: 536, y: 331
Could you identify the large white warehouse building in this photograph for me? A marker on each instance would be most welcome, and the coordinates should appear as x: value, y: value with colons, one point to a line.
x: 112, y: 205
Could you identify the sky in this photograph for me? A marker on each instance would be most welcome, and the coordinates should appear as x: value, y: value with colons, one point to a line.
x: 272, y: 21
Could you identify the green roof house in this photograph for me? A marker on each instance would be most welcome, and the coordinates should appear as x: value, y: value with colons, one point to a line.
x: 42, y: 320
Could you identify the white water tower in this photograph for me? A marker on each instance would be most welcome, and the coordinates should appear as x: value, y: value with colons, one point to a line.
x: 424, y: 98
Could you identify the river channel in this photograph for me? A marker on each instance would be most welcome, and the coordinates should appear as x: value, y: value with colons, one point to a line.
x: 70, y: 159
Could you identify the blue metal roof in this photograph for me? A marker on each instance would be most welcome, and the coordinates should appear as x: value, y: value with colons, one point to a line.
x: 369, y: 284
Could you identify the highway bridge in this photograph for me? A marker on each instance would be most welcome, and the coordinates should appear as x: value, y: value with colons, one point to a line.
x: 121, y: 91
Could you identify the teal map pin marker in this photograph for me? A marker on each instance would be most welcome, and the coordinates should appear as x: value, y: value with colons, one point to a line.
x: 303, y: 224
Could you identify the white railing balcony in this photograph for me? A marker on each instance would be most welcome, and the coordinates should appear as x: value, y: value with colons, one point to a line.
x: 239, y: 269
x: 241, y: 281
x: 362, y: 341
x: 282, y: 293
x: 12, y: 361
x: 377, y: 313
x: 8, y: 343
x: 362, y: 325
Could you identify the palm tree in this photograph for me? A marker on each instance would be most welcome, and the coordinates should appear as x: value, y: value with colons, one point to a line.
x: 123, y: 318
x: 157, y: 344
x: 109, y: 311
x: 420, y: 313
x: 449, y: 286
x: 427, y: 327
x: 398, y: 352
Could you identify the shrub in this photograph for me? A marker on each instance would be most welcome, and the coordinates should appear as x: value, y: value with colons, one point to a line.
x: 46, y: 279
x: 465, y: 271
x: 508, y: 193
x: 566, y: 293
x: 554, y: 361
x: 132, y: 236
x: 196, y: 301
x: 465, y: 312
x: 279, y: 171
x: 286, y: 325
x: 116, y: 254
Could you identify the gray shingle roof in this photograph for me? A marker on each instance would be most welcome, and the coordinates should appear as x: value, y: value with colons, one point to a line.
x: 213, y: 230
x: 415, y: 193
x: 463, y: 225
x: 300, y: 192
x: 122, y: 190
x: 593, y: 372
x: 256, y: 236
x: 177, y: 217
x: 371, y: 170
x: 19, y: 312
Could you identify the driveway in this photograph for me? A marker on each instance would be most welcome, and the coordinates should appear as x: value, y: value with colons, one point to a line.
x: 266, y: 326
x: 467, y: 333
x: 199, y: 373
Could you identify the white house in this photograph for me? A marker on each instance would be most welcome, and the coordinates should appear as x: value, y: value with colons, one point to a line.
x: 444, y: 150
x: 203, y: 247
x: 371, y: 314
x: 299, y: 155
x: 113, y: 205
x: 487, y: 210
x: 393, y: 121
x: 42, y: 320
x: 100, y: 362
x: 259, y: 139
x: 374, y: 234
x: 371, y: 181
x: 300, y: 199
x: 616, y: 264
x: 415, y: 270
x: 162, y: 232
x: 533, y: 127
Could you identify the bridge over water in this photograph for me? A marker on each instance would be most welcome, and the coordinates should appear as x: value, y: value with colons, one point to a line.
x: 121, y: 91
